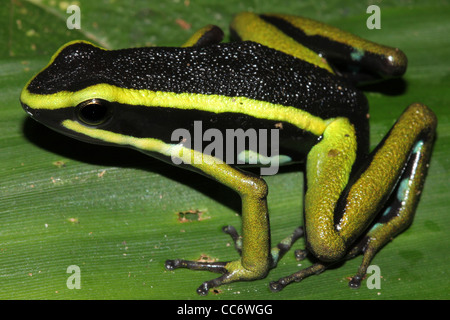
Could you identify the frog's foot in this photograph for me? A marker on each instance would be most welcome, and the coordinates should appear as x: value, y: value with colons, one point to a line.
x: 234, y: 270
x: 231, y: 271
x: 319, y: 267
x: 368, y: 246
x: 316, y: 268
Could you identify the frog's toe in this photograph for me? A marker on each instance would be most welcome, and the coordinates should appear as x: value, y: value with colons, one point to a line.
x: 218, y: 267
x: 237, y: 239
x: 276, y: 286
x: 203, y: 289
x: 355, y: 282
x: 300, y: 254
x: 171, y: 265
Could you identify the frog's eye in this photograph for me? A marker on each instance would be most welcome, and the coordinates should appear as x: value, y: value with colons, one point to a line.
x: 94, y: 112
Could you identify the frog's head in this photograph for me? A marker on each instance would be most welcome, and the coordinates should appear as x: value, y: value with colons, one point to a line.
x: 59, y: 92
x: 79, y: 94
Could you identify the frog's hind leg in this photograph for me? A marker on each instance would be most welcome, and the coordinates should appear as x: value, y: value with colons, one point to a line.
x: 298, y: 276
x: 398, y: 214
x: 399, y: 210
x: 382, y: 199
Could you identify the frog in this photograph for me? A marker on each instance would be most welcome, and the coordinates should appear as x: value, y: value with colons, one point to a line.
x: 286, y: 74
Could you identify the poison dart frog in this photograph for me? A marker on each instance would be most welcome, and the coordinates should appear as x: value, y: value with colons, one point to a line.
x: 285, y: 74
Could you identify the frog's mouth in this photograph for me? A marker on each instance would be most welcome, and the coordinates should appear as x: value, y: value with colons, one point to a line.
x: 27, y: 109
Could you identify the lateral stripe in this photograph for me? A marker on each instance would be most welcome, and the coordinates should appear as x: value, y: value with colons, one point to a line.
x: 193, y: 157
x: 187, y: 101
x: 149, y: 144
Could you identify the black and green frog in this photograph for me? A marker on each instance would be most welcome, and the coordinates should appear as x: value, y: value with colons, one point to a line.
x: 284, y: 72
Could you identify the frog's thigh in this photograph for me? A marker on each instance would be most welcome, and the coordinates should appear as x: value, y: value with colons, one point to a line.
x: 406, y: 150
x: 329, y: 164
x: 407, y: 145
x: 335, y: 219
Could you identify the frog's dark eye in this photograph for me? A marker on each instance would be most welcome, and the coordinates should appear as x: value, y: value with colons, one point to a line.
x: 94, y: 112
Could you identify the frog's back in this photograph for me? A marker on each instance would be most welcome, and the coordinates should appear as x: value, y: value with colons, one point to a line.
x: 239, y: 69
x: 236, y: 69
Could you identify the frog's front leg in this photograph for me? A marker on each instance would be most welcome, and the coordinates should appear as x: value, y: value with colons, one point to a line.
x: 255, y: 259
x: 382, y: 198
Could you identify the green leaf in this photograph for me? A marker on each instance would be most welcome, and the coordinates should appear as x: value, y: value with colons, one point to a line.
x: 114, y: 213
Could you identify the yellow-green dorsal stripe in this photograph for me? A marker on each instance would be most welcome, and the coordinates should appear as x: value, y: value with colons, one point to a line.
x: 186, y: 101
